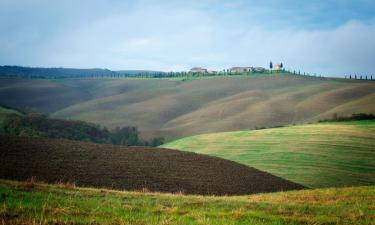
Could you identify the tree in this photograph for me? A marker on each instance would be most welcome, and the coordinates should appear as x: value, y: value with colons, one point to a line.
x: 271, y: 65
x: 334, y: 117
x: 157, y: 141
x: 281, y: 65
x: 126, y: 136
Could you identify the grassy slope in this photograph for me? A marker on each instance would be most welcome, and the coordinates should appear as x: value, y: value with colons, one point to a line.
x: 175, y: 108
x: 4, y: 112
x: 30, y: 203
x: 317, y: 155
x: 39, y: 95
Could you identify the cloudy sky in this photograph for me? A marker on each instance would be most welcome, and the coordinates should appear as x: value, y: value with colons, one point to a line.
x: 329, y: 37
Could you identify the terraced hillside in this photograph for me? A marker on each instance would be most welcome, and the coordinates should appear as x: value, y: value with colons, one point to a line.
x: 130, y: 168
x: 178, y: 108
x: 33, y: 203
x: 316, y: 155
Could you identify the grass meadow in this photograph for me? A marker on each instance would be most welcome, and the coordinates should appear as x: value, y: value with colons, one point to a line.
x: 315, y: 155
x: 33, y: 203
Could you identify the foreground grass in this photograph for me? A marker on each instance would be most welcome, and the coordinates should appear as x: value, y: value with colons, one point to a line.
x: 316, y: 155
x: 30, y: 203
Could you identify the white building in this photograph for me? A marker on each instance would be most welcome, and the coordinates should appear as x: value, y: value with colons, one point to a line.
x: 198, y: 70
x: 241, y: 69
x: 259, y: 69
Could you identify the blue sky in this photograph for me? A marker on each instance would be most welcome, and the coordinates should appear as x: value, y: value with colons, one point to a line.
x: 330, y: 37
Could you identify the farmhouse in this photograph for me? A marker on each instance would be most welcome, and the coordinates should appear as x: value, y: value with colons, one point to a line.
x: 198, y: 70
x: 241, y: 69
x: 236, y: 69
x: 259, y: 69
x: 278, y: 67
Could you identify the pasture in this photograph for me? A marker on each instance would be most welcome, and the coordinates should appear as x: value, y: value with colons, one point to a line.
x: 315, y: 155
x: 35, y: 203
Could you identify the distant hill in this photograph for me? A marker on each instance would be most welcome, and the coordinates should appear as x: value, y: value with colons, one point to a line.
x: 39, y: 72
x: 177, y: 108
x: 131, y: 168
x: 136, y: 72
x: 334, y: 154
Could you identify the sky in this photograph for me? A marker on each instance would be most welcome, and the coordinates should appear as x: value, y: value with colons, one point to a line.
x: 328, y: 37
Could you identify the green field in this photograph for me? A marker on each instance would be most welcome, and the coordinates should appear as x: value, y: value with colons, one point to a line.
x: 32, y: 203
x: 4, y: 111
x: 175, y: 108
x: 315, y: 155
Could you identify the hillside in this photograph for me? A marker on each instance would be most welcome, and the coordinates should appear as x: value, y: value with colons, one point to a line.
x: 54, y: 73
x: 175, y: 108
x: 316, y: 155
x: 5, y: 111
x: 33, y: 203
x: 130, y: 168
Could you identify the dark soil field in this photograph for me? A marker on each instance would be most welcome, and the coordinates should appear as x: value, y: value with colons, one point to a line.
x: 130, y: 168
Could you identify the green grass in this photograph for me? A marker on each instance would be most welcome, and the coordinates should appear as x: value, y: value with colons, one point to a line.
x: 31, y: 203
x: 4, y: 111
x: 316, y: 155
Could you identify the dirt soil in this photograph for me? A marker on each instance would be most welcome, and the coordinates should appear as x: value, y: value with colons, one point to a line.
x: 131, y: 168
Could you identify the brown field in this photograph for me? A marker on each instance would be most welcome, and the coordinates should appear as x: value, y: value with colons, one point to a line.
x: 130, y: 168
x: 177, y: 108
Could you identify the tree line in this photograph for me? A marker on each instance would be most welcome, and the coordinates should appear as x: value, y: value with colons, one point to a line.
x: 69, y: 73
x: 353, y: 117
x: 39, y: 125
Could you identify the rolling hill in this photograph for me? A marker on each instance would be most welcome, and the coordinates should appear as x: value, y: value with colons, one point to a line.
x: 34, y: 203
x: 130, y: 168
x: 175, y: 108
x: 316, y: 155
x: 5, y: 111
x: 54, y: 73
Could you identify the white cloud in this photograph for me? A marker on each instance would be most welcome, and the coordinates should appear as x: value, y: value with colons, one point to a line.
x: 176, y: 36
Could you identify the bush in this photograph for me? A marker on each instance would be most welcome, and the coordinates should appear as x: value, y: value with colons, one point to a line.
x: 353, y: 117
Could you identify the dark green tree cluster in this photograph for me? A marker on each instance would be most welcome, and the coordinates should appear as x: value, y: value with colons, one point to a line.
x: 353, y: 117
x: 39, y: 125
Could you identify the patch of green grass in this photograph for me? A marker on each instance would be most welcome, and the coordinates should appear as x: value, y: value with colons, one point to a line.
x: 4, y: 111
x: 316, y: 155
x: 31, y: 203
